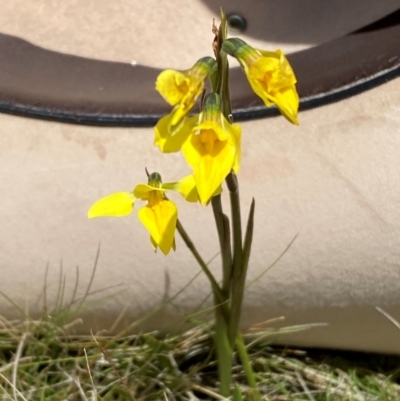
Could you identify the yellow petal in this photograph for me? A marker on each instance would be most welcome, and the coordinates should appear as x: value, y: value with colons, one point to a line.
x: 170, y: 138
x: 155, y: 246
x: 181, y: 89
x: 287, y: 101
x: 115, y: 205
x: 272, y: 78
x: 209, y: 168
x: 221, y: 131
x: 284, y: 73
x: 160, y: 221
x: 142, y: 191
x: 172, y: 85
x: 187, y: 188
x: 212, y: 150
x: 169, y: 186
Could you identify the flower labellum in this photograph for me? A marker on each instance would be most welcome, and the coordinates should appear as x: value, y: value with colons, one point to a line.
x: 159, y: 216
x: 213, y: 148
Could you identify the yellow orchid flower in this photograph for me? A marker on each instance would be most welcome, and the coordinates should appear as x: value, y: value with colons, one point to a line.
x: 269, y: 74
x: 213, y: 149
x: 159, y: 216
x: 182, y: 88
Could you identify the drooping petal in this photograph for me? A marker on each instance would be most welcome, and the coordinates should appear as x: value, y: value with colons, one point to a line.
x: 182, y: 88
x: 187, y: 188
x: 115, y: 205
x: 210, y: 166
x: 273, y: 80
x: 270, y: 76
x: 280, y: 64
x: 172, y: 85
x: 213, y: 148
x: 160, y: 221
x: 287, y: 101
x: 170, y: 138
x: 226, y: 131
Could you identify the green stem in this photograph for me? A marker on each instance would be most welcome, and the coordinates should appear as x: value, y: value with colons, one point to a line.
x: 248, y: 370
x: 220, y: 298
x: 223, y: 229
x: 237, y: 269
x: 234, y: 266
x: 224, y: 352
x: 239, y: 283
x: 224, y: 347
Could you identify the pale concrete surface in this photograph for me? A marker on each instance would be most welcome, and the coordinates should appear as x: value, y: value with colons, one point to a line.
x: 150, y: 32
x: 334, y: 180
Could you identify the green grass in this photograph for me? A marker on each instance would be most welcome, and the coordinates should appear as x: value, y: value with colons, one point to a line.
x: 44, y: 360
x: 39, y: 360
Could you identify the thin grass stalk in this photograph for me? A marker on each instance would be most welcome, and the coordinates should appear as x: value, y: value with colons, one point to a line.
x: 237, y: 394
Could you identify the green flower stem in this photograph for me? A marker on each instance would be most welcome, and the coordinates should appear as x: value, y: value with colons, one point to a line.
x: 224, y: 90
x: 223, y: 346
x: 248, y: 370
x: 239, y: 284
x: 227, y: 335
x: 237, y: 270
x: 224, y: 352
x: 223, y: 229
x: 220, y: 298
